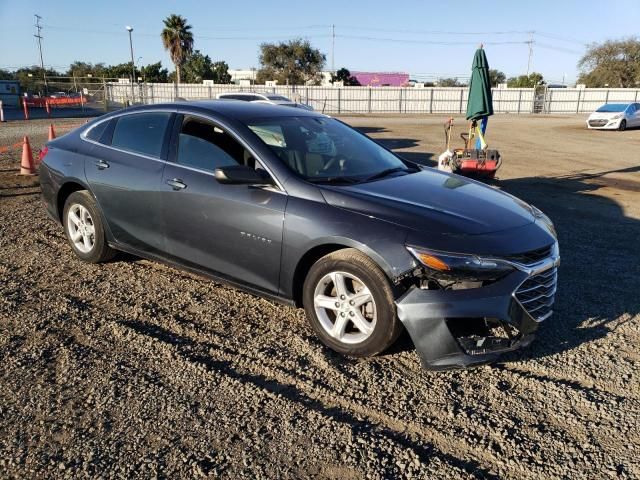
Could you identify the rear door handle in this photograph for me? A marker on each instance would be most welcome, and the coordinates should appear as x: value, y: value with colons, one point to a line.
x: 101, y: 164
x: 176, y: 184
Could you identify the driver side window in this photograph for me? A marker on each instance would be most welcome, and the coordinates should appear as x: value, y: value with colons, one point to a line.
x: 204, y: 146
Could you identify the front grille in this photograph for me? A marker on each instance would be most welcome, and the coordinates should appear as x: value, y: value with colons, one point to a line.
x: 597, y: 123
x: 532, y: 256
x: 537, y: 293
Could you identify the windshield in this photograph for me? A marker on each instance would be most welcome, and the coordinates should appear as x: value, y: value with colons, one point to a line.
x: 613, y: 107
x: 325, y: 150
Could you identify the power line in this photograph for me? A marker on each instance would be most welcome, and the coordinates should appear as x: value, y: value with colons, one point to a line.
x: 201, y: 37
x: 333, y: 35
x: 553, y: 36
x: 427, y: 42
x: 434, y: 32
x: 558, y: 49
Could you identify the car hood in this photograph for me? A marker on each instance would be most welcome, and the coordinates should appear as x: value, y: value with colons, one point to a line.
x: 605, y: 115
x: 433, y: 201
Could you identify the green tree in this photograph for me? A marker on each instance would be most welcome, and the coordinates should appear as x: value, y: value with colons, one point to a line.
x: 200, y: 67
x: 220, y: 71
x: 294, y: 62
x: 31, y: 79
x: 196, y: 67
x: 177, y: 39
x: 496, y: 77
x: 615, y: 63
x: 6, y: 74
x: 81, y: 70
x: 154, y: 73
x: 344, y: 75
x: 448, y: 82
x: 121, y: 70
x: 524, y: 81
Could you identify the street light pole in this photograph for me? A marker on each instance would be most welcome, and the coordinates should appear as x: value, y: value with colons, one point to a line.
x: 133, y: 65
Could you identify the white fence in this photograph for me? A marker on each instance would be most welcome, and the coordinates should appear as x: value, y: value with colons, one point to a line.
x: 345, y: 100
x: 585, y: 100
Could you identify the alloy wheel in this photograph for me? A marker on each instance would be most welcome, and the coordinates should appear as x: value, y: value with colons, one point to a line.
x: 345, y: 307
x: 81, y: 228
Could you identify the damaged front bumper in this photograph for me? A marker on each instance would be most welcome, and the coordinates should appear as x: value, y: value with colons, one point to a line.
x: 461, y: 328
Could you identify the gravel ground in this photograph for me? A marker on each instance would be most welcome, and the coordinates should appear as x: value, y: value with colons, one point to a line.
x: 134, y: 369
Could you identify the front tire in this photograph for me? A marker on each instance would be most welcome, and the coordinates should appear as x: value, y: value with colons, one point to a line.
x: 84, y: 229
x: 349, y: 303
x: 623, y: 126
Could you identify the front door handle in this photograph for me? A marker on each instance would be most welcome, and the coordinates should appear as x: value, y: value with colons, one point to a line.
x: 101, y: 164
x: 176, y: 184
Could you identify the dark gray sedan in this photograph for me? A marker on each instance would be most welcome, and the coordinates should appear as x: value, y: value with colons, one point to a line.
x: 299, y: 207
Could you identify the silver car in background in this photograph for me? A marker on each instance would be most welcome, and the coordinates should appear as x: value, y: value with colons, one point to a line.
x: 270, y: 98
x: 615, y: 116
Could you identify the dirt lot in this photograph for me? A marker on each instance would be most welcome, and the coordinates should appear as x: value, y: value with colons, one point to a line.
x: 133, y: 369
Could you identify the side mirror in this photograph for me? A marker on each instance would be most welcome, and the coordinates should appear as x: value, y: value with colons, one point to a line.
x: 242, y: 175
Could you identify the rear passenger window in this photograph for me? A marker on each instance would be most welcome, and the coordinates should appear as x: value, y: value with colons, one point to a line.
x: 141, y: 132
x: 204, y: 146
x: 95, y: 133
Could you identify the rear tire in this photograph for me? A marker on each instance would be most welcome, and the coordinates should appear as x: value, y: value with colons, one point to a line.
x: 83, y: 225
x: 349, y: 303
x: 623, y: 126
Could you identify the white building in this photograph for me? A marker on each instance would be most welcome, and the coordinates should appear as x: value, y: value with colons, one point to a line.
x: 243, y: 74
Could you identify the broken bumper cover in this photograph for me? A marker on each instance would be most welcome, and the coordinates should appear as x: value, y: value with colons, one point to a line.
x: 455, y: 328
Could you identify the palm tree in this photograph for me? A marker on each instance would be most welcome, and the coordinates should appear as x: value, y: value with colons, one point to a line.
x: 177, y: 40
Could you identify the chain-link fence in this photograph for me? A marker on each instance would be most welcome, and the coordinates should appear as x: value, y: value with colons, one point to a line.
x: 65, y: 96
x: 346, y: 100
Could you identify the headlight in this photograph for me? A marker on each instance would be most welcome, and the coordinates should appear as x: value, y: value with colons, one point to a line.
x: 459, y: 266
x: 620, y: 115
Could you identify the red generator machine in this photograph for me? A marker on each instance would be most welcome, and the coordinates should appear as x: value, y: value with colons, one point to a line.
x: 470, y: 162
x: 475, y: 163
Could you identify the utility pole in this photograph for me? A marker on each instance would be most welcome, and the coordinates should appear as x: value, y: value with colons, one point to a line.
x: 530, y: 42
x: 39, y: 37
x: 133, y: 64
x: 333, y: 48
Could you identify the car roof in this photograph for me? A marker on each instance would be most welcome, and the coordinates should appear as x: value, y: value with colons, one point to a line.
x: 235, y: 109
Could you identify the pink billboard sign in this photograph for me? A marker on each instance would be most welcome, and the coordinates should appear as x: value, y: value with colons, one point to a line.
x: 382, y: 79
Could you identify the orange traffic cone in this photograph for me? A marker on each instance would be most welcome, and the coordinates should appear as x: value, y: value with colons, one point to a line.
x: 27, y: 167
x: 52, y: 132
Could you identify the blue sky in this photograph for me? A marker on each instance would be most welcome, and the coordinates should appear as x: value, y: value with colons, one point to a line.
x: 392, y: 36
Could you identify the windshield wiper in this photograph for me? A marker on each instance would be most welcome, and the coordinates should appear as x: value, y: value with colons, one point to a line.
x: 387, y: 171
x: 333, y: 180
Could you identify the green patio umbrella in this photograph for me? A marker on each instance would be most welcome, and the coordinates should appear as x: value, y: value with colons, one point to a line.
x: 480, y: 102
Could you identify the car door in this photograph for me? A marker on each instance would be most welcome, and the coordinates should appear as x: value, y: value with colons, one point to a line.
x: 636, y: 114
x: 629, y: 115
x: 124, y: 172
x: 231, y: 230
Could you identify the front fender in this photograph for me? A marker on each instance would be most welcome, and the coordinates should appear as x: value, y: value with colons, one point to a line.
x: 309, y: 224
